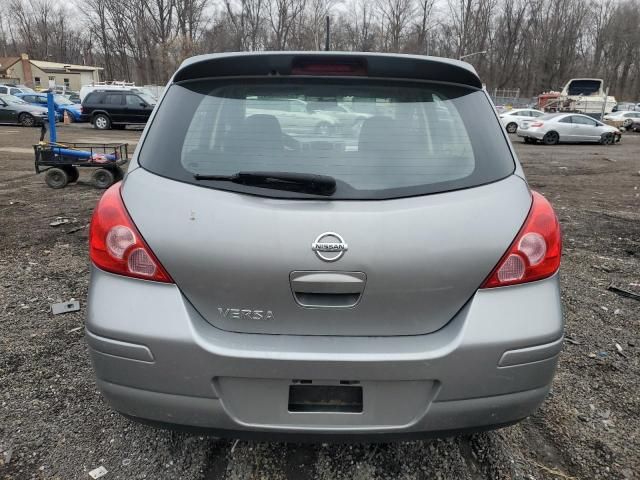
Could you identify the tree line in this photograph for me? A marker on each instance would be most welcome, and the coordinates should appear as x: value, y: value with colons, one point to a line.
x: 533, y: 45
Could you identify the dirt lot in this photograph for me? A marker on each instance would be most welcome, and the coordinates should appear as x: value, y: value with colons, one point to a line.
x: 54, y: 424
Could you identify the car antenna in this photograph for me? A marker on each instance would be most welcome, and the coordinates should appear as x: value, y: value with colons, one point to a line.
x: 328, y: 32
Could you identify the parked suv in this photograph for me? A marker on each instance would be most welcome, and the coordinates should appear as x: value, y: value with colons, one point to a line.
x: 393, y: 280
x: 117, y: 108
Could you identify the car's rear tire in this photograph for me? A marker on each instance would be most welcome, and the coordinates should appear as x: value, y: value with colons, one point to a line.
x: 72, y: 172
x: 551, y: 138
x: 101, y: 122
x: 607, y: 139
x: 56, y: 178
x: 512, y: 127
x: 103, y: 178
x: 27, y: 120
x: 627, y: 123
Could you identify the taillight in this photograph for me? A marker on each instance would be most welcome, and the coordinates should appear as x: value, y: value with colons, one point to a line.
x: 537, y: 124
x: 535, y: 253
x: 115, y: 244
x: 338, y: 66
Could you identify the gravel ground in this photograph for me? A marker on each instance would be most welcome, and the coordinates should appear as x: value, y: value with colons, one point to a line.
x: 54, y: 424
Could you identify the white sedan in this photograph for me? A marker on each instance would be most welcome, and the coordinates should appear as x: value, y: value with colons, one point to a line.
x: 512, y: 119
x: 623, y: 118
x: 554, y: 128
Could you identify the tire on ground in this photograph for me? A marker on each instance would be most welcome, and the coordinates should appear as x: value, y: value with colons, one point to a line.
x: 72, y: 172
x: 101, y: 122
x: 118, y: 173
x: 103, y: 178
x: 56, y: 178
x: 551, y: 138
x: 607, y: 139
x: 26, y: 120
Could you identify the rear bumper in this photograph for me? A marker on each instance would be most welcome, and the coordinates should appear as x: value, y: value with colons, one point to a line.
x: 535, y: 134
x: 157, y: 359
x: 210, y: 416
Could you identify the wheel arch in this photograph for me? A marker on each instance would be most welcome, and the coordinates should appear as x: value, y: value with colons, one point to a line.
x: 95, y: 113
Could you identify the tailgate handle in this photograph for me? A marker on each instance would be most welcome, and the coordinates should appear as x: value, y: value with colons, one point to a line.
x: 327, y: 289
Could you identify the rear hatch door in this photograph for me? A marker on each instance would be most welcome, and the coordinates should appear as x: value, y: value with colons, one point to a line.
x: 247, y: 265
x: 424, y: 207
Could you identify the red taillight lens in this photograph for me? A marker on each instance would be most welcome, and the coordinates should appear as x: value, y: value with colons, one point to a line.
x: 537, y: 124
x: 535, y: 253
x: 115, y: 245
x: 329, y: 66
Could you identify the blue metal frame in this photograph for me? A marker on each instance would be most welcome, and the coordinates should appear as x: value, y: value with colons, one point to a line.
x: 52, y: 118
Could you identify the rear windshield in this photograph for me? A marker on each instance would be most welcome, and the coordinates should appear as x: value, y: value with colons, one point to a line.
x: 584, y: 87
x: 377, y: 139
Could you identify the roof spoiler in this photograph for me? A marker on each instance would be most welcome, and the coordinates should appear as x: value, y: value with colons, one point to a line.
x: 392, y: 66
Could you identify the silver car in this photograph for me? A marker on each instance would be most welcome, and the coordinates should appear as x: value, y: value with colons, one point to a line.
x: 257, y: 280
x: 513, y: 119
x: 555, y: 128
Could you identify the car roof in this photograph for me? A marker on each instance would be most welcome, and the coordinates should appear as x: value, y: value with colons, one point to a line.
x: 378, y: 65
x: 36, y: 94
x: 111, y: 90
x: 583, y: 115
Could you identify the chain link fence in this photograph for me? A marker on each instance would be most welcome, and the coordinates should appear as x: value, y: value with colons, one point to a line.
x: 508, y: 97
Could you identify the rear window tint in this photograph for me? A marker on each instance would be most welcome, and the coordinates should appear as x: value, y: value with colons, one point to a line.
x: 93, y: 97
x: 377, y: 139
x: 112, y: 99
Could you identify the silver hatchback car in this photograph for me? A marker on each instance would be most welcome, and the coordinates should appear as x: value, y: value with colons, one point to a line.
x: 391, y: 276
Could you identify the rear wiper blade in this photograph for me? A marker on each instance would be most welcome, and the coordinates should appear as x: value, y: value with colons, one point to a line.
x: 318, y: 184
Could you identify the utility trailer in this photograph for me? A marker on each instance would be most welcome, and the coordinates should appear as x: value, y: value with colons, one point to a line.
x: 60, y: 162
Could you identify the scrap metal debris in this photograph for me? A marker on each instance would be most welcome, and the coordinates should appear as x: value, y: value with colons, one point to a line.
x: 623, y: 292
x: 571, y: 340
x: 233, y: 448
x: 73, y: 230
x: 6, y: 452
x: 554, y: 471
x: 98, y: 472
x: 65, y: 307
x: 59, y: 221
